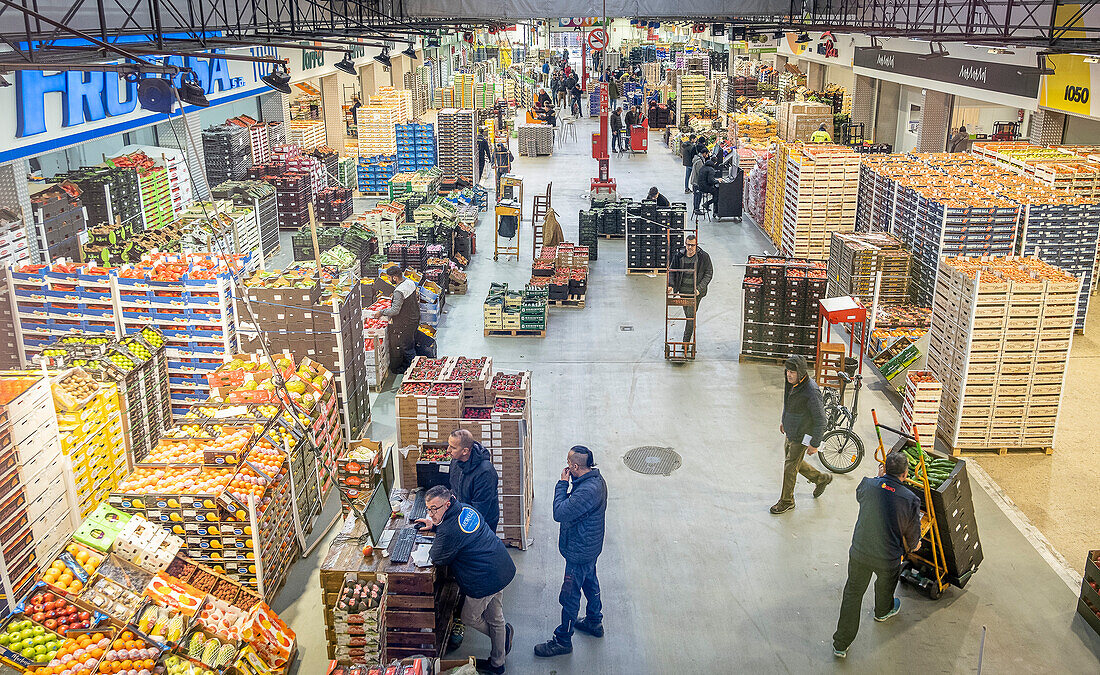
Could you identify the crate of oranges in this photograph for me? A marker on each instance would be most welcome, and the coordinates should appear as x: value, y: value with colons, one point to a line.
x: 81, y: 652
x: 70, y: 571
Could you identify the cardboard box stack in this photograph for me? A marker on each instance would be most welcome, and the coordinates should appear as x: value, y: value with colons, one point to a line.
x: 35, y: 506
x: 525, y: 309
x: 376, y: 126
x: 415, y: 146
x: 855, y: 261
x: 878, y: 187
x: 775, y: 191
x: 999, y: 341
x: 441, y: 395
x: 822, y: 182
x: 797, y: 121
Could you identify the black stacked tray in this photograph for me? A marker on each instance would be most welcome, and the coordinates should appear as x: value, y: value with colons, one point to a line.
x: 227, y: 151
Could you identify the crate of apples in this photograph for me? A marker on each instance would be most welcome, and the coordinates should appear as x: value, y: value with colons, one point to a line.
x: 56, y: 614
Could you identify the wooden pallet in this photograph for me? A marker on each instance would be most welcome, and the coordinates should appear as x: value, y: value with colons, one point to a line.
x: 383, y: 385
x: 645, y: 270
x: 760, y: 358
x: 515, y: 332
x: 958, y: 450
x: 572, y: 301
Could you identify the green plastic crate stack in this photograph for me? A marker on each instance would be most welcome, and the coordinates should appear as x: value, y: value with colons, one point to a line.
x: 532, y: 312
x: 346, y: 173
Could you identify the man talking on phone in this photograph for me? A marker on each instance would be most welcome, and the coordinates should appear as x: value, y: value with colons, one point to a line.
x: 580, y: 510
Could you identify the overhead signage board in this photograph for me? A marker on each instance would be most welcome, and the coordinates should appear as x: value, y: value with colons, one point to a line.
x: 1070, y: 88
x: 988, y: 76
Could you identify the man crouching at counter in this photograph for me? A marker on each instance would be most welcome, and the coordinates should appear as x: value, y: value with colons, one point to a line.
x: 480, y: 565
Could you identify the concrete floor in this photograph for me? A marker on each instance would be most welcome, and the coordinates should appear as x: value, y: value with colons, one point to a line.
x: 696, y: 573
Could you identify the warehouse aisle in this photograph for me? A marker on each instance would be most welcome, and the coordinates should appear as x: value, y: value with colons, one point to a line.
x: 695, y: 572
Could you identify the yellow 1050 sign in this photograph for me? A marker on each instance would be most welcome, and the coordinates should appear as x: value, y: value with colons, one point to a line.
x: 1069, y: 89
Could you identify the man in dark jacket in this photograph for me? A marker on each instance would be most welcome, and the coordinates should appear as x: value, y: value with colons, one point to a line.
x: 617, y: 142
x: 480, y: 565
x: 803, y: 425
x: 473, y: 478
x: 706, y: 183
x: 687, y: 153
x: 681, y: 281
x: 580, y: 541
x: 888, y: 527
x: 484, y: 154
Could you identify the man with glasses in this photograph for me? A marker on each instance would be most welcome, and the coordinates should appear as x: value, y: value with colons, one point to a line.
x: 480, y: 565
x: 580, y: 510
x: 681, y: 280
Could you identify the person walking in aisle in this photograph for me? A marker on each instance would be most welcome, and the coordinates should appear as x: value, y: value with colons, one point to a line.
x: 545, y: 72
x: 887, y: 528
x: 484, y: 154
x: 803, y: 424
x: 580, y: 511
x: 616, y: 122
x: 575, y: 99
x: 502, y: 158
x: 614, y: 90
x: 699, y: 158
x: 687, y: 153
x: 480, y: 565
x: 404, y: 316
x: 959, y: 142
x: 681, y: 280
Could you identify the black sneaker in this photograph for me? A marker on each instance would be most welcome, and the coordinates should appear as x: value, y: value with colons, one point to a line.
x: 508, y: 633
x: 483, y: 666
x: 552, y: 648
x: 828, y: 478
x: 593, y: 629
x: 454, y: 641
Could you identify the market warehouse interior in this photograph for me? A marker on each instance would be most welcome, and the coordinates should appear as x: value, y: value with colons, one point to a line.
x: 300, y: 371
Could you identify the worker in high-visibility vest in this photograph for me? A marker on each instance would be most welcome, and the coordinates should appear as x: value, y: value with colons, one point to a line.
x: 821, y: 136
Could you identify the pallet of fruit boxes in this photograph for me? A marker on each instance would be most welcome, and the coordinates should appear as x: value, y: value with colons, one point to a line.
x: 235, y: 516
x: 448, y: 393
x: 310, y: 396
x: 137, y: 364
x: 1000, y: 335
x: 921, y: 405
x: 142, y: 605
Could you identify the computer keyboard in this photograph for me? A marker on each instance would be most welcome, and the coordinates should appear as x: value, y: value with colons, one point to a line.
x: 420, y: 507
x: 403, y: 546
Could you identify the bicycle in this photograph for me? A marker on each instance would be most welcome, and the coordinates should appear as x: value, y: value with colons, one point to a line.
x: 841, y: 449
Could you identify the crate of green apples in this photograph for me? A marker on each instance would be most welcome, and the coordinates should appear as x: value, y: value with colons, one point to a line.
x: 26, y: 643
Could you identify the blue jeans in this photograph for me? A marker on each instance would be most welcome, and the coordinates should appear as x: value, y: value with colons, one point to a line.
x: 578, y: 578
x: 687, y: 177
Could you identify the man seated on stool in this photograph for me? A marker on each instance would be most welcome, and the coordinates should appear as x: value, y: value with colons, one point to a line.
x: 481, y: 566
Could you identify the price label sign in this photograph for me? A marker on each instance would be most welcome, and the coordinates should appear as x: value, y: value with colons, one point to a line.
x: 605, y: 102
x: 597, y: 39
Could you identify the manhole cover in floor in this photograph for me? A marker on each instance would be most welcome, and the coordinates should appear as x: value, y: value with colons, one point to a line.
x: 652, y: 460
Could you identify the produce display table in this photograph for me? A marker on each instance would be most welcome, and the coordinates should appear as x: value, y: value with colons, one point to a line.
x: 419, y: 602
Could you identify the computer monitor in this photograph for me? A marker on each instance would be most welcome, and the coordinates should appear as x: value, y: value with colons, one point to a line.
x: 377, y: 514
x: 387, y: 470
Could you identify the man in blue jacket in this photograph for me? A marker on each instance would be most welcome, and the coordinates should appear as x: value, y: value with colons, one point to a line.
x: 887, y: 528
x: 480, y: 565
x: 580, y: 541
x: 803, y: 425
x: 473, y: 478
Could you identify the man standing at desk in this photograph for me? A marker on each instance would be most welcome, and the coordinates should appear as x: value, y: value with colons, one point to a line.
x: 580, y: 511
x: 473, y: 478
x: 480, y: 565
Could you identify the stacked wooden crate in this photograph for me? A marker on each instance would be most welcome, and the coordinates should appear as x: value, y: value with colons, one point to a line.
x: 820, y: 198
x: 921, y: 407
x: 774, y: 190
x: 693, y: 93
x: 402, y: 99
x: 999, y: 341
x: 856, y: 259
x: 375, y: 124
x: 878, y: 187
x: 306, y: 134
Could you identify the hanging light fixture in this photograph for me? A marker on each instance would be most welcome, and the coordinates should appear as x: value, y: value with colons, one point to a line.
x: 409, y: 51
x: 803, y: 38
x: 346, y: 65
x: 191, y: 92
x: 384, y: 57
x: 278, y: 79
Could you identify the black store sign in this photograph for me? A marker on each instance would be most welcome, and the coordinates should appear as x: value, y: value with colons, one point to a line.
x: 999, y: 77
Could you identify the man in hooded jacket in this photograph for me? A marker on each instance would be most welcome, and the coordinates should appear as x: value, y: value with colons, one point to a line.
x: 803, y: 425
x: 473, y: 478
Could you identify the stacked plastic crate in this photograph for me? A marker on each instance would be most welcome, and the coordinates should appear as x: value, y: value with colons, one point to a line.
x: 59, y: 221
x: 855, y: 261
x: 334, y: 205
x: 415, y: 146
x: 227, y: 152
x: 49, y: 301
x: 258, y: 142
x: 261, y: 197
x: 375, y: 173
x: 457, y: 145
x: 651, y: 233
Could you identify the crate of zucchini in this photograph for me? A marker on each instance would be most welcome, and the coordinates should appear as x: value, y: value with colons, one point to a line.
x: 954, y: 508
